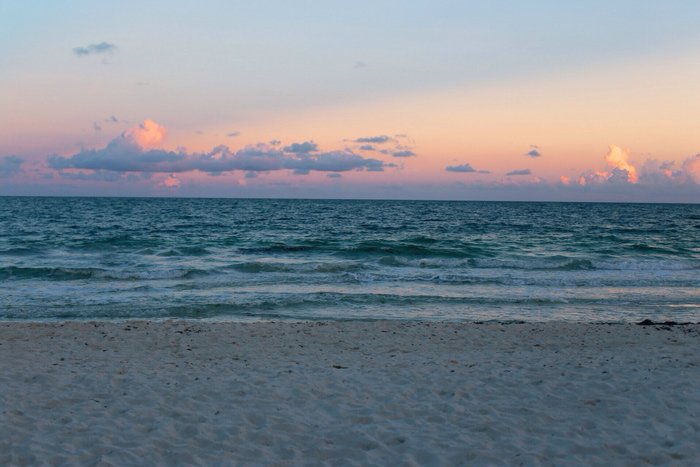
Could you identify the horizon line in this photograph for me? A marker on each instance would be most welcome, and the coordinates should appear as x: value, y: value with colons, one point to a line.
x: 240, y: 198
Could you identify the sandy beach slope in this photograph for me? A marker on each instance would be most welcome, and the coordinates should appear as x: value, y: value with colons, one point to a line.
x: 348, y: 393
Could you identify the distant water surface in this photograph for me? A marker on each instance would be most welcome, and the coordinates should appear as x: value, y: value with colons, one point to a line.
x: 306, y: 259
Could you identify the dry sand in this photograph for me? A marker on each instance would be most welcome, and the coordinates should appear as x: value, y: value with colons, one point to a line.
x: 348, y: 393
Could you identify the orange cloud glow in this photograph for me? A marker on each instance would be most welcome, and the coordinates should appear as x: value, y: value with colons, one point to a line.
x: 617, y: 159
x: 621, y: 169
x: 147, y: 135
x: 170, y: 182
x: 692, y: 168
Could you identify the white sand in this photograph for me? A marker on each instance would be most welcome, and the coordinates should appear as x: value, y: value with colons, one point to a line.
x: 348, y: 393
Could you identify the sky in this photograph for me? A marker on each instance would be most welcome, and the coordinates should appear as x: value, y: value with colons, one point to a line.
x: 498, y: 100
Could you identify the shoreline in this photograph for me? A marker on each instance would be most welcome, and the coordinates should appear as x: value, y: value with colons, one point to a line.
x: 237, y: 319
x: 348, y: 392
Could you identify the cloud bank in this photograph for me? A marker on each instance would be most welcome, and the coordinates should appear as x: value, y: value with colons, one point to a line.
x: 137, y: 160
x: 620, y: 169
x: 622, y: 172
x: 137, y: 150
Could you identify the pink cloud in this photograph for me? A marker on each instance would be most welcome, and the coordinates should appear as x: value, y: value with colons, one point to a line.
x: 650, y: 173
x: 147, y: 135
x: 691, y: 167
x: 136, y: 150
x: 171, y: 181
x: 617, y: 158
x: 621, y: 170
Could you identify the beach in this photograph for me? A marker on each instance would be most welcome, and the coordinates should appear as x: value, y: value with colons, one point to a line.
x: 185, y: 392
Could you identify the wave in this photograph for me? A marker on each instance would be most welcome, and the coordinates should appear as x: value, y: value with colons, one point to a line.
x: 185, y: 251
x: 51, y: 273
x: 646, y: 248
x: 412, y: 249
x: 309, y: 267
x: 339, y: 306
x: 557, y: 270
x: 353, y: 306
x: 187, y: 273
x: 286, y: 248
x: 643, y: 264
x: 257, y: 305
x: 534, y: 278
x: 116, y: 241
x: 21, y: 251
x: 552, y: 263
x: 331, y: 303
x: 417, y: 246
x: 72, y: 274
x: 555, y: 263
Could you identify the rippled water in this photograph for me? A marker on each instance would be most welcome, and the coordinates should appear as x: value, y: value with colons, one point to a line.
x: 223, y: 258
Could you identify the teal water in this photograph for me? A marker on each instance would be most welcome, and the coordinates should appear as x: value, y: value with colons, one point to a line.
x: 325, y: 259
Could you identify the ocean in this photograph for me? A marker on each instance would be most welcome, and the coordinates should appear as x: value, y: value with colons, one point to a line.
x: 250, y: 259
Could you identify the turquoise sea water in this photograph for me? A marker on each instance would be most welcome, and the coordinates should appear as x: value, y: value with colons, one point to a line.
x: 312, y: 259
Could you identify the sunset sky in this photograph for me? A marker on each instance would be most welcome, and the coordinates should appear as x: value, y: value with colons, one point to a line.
x: 538, y: 100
